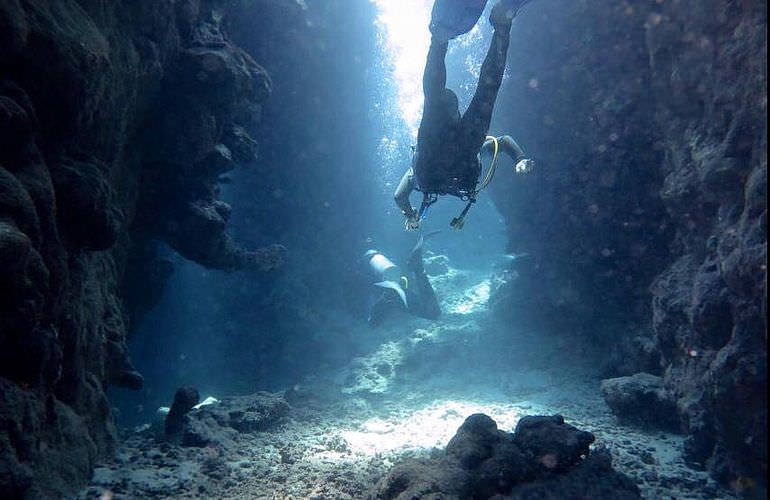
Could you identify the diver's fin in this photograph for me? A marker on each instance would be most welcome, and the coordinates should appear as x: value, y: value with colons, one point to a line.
x: 415, y: 258
x: 421, y: 240
x: 395, y: 287
x: 452, y: 18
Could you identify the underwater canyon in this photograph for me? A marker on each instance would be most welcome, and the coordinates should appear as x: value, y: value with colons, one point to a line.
x: 187, y: 188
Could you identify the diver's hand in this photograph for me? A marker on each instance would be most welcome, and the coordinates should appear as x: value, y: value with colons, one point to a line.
x: 524, y: 166
x: 412, y: 223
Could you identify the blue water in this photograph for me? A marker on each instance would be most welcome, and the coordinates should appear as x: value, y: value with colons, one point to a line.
x: 221, y: 332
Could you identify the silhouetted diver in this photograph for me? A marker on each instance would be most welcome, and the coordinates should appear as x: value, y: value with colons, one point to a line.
x: 411, y: 290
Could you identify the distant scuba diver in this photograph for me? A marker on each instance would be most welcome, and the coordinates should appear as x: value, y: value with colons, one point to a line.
x: 447, y: 158
x: 409, y: 290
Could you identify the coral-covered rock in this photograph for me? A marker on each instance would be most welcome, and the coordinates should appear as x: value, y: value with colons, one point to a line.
x: 219, y: 422
x: 591, y: 478
x: 557, y: 446
x: 543, y: 458
x: 88, y: 217
x: 708, y: 305
x: 28, y: 470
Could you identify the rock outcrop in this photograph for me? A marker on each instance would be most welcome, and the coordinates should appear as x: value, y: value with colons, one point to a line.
x: 647, y: 220
x: 185, y: 399
x: 219, y: 424
x: 116, y: 122
x: 641, y: 399
x: 221, y: 440
x: 543, y: 458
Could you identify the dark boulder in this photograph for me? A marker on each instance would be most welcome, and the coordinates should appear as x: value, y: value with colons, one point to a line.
x: 543, y: 458
x: 218, y: 423
x: 184, y: 400
x: 641, y: 399
x: 556, y: 446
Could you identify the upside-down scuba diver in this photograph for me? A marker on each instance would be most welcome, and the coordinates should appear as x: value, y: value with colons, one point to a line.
x: 447, y: 159
x: 410, y: 290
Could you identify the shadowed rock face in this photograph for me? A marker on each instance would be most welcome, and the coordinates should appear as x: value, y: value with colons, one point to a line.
x: 708, y: 307
x: 589, y: 215
x: 116, y: 121
x: 647, y: 220
x: 185, y: 399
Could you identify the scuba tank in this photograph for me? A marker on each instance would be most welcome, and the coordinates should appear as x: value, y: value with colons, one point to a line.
x: 385, y: 269
x: 389, y: 273
x: 453, y: 18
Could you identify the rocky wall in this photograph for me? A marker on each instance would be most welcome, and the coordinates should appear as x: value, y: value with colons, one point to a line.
x: 589, y: 216
x: 309, y: 188
x: 709, y: 79
x: 116, y: 121
x: 645, y: 222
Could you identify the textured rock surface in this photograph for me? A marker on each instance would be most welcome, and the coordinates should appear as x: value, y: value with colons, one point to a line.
x: 216, y: 424
x: 646, y: 222
x: 589, y: 216
x: 223, y: 444
x: 310, y: 189
x: 543, y: 457
x: 94, y: 146
x: 710, y: 80
x: 641, y: 399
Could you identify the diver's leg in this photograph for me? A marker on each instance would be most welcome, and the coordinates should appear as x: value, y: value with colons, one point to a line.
x: 475, y: 121
x: 429, y: 307
x: 434, y: 76
x: 428, y: 303
x: 414, y: 263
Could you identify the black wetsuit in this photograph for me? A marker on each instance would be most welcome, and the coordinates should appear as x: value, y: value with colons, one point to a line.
x: 420, y: 296
x: 446, y: 159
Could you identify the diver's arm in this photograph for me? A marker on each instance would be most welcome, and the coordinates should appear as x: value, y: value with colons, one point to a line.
x: 523, y: 164
x: 506, y: 144
x: 511, y: 148
x: 401, y: 196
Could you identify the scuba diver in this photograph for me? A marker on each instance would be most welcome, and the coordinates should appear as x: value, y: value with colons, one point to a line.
x: 411, y: 291
x: 447, y: 159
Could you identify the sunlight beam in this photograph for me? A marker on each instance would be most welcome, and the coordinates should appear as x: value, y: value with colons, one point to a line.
x: 403, y: 27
